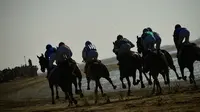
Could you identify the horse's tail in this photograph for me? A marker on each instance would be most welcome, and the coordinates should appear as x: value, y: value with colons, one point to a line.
x: 197, y: 53
x: 105, y: 70
x: 169, y: 58
x: 77, y: 72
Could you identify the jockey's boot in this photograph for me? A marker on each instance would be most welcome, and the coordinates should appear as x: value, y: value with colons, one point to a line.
x: 85, y: 68
x: 99, y: 61
x: 177, y: 54
x: 48, y: 71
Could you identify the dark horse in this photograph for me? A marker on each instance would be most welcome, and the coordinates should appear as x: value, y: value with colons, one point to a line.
x: 128, y: 64
x: 155, y: 64
x: 64, y: 80
x: 76, y: 71
x: 188, y: 54
x: 169, y: 59
x: 95, y: 71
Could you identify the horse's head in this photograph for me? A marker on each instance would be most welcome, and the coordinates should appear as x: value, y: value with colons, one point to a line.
x: 43, y: 62
x: 140, y: 47
x: 115, y: 47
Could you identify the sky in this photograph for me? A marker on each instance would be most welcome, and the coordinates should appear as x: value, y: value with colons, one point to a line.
x: 26, y: 26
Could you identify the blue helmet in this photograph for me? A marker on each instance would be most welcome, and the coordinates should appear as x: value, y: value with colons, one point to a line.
x: 87, y: 43
x: 48, y: 46
x: 177, y: 26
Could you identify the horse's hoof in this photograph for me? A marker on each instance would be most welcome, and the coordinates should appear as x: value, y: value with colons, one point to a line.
x: 103, y: 95
x: 142, y: 86
x: 124, y: 86
x: 69, y: 104
x: 158, y: 93
x: 166, y: 82
x: 81, y: 95
x: 179, y: 78
x: 108, y: 100
x: 138, y: 81
x: 150, y: 83
x: 77, y: 91
x: 95, y: 102
x: 191, y: 81
x: 88, y: 88
x: 129, y: 93
x: 53, y: 102
x: 184, y: 78
x: 114, y: 87
x: 57, y: 97
x: 75, y: 102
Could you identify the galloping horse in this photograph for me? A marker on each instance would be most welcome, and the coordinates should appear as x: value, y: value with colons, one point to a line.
x: 95, y: 71
x: 76, y: 71
x: 128, y: 64
x: 155, y: 64
x: 63, y: 79
x: 188, y: 54
x: 169, y: 59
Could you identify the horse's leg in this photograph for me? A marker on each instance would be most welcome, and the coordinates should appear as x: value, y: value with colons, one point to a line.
x: 141, y: 78
x: 52, y: 93
x: 182, y: 70
x: 154, y: 82
x: 158, y: 85
x: 67, y: 97
x: 57, y: 96
x: 148, y: 79
x: 153, y: 90
x: 129, y: 86
x: 74, y: 81
x: 134, y: 78
x: 168, y: 79
x: 71, y: 94
x: 96, y: 92
x: 192, y: 79
x: 88, y: 82
x: 123, y: 85
x: 80, y: 84
x: 110, y: 81
x: 164, y: 77
x: 100, y: 87
x: 174, y: 69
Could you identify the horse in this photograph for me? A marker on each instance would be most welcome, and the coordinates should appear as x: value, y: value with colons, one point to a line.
x: 155, y: 64
x: 95, y: 71
x: 169, y: 59
x: 128, y: 64
x: 187, y: 55
x: 76, y: 71
x: 64, y: 80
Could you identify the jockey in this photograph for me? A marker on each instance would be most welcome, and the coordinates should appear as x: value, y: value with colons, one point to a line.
x: 63, y: 52
x: 51, y: 66
x: 148, y: 39
x: 123, y: 46
x: 89, y: 53
x: 157, y: 38
x: 49, y: 51
x: 179, y: 35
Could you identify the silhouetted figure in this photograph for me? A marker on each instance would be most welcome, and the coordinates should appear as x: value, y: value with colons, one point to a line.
x: 30, y: 62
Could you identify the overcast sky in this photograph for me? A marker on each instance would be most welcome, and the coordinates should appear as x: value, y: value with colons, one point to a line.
x: 26, y: 26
